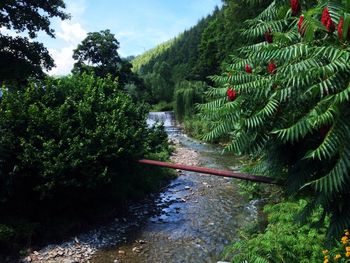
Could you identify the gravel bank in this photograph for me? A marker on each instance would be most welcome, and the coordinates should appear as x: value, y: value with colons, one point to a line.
x: 81, y: 248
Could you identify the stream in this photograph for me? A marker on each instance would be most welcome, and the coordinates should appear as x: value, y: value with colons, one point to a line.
x: 197, y: 215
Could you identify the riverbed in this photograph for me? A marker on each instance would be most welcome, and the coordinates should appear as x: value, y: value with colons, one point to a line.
x: 200, y: 214
x: 191, y: 220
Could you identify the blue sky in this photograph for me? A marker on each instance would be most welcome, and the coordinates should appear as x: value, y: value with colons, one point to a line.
x: 138, y: 25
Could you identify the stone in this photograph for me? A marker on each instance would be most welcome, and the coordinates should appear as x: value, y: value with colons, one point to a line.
x: 122, y: 252
x: 136, y: 250
x: 36, y: 253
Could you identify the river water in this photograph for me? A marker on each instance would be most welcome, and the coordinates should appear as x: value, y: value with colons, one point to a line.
x: 198, y: 214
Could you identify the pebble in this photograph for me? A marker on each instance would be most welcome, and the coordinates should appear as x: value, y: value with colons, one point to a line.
x: 136, y: 250
x: 81, y: 248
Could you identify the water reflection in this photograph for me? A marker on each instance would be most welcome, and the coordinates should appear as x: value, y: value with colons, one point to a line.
x: 198, y: 216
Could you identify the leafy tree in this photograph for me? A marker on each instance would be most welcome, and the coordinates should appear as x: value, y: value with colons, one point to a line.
x: 291, y: 112
x: 187, y: 94
x: 21, y: 57
x: 159, y: 82
x: 209, y: 60
x: 98, y: 53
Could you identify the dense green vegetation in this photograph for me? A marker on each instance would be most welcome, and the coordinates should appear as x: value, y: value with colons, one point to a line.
x: 98, y: 54
x: 190, y: 58
x: 290, y: 115
x: 71, y: 142
x: 139, y: 61
x: 21, y: 56
x: 68, y: 145
x: 280, y: 96
x: 282, y: 240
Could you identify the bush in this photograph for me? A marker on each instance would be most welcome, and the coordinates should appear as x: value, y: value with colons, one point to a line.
x: 162, y: 106
x: 195, y: 127
x: 187, y: 94
x: 283, y: 240
x: 340, y: 252
x: 72, y: 142
x: 75, y: 132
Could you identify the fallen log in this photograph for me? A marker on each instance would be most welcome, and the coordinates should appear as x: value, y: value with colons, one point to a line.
x: 216, y: 172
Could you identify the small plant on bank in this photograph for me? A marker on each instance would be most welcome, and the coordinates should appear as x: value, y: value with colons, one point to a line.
x: 341, y: 252
x: 283, y: 240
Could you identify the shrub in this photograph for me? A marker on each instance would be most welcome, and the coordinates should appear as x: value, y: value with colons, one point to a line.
x: 70, y: 143
x: 78, y: 132
x: 187, y: 94
x: 340, y: 252
x: 283, y: 239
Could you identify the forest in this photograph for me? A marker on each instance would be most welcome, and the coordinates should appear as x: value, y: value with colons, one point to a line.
x: 268, y: 81
x: 272, y: 84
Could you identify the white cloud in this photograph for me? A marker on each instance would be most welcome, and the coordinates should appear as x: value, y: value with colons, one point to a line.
x: 5, y: 31
x: 63, y: 60
x: 72, y: 34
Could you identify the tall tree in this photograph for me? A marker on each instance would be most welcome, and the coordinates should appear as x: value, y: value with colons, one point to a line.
x: 21, y: 57
x: 98, y: 53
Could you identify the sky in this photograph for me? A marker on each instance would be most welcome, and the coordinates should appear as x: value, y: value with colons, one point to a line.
x: 139, y: 25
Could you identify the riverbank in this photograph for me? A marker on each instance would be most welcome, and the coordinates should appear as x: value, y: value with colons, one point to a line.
x: 199, y: 214
x: 82, y: 248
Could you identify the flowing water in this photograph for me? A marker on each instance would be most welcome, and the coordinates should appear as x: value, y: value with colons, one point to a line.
x: 198, y: 214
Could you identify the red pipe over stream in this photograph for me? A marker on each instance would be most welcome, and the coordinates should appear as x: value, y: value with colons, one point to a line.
x: 204, y: 170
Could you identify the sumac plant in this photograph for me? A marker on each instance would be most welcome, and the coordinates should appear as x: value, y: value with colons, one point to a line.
x: 279, y: 119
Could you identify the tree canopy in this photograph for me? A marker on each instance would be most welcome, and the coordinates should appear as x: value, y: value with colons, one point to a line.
x: 21, y: 57
x: 98, y: 53
x: 197, y: 52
